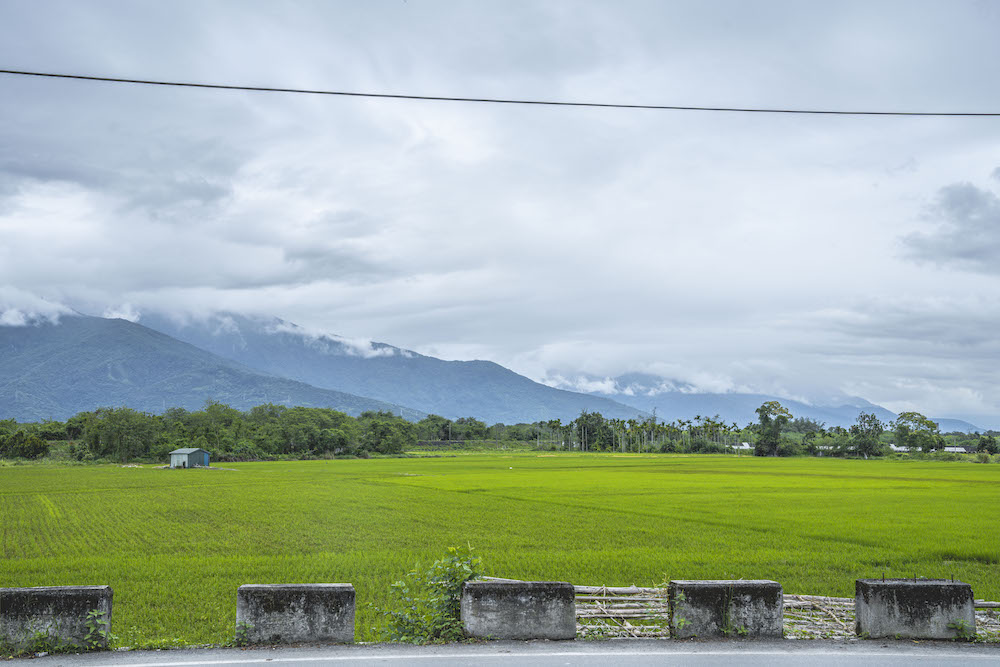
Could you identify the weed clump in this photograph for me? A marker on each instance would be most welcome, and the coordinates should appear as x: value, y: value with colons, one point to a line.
x: 428, y: 602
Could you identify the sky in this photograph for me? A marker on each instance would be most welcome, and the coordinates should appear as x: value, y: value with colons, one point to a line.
x: 805, y: 256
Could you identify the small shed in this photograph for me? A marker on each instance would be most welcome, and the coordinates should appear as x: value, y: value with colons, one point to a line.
x: 188, y: 457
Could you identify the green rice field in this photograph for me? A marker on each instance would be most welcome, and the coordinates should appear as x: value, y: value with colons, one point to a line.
x: 175, y: 544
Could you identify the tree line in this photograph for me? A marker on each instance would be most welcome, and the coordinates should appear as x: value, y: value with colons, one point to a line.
x: 272, y: 431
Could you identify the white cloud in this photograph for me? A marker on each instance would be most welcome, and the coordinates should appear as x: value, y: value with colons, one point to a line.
x: 125, y: 311
x: 12, y: 317
x: 364, y: 347
x: 728, y: 252
x: 20, y: 308
x: 332, y: 343
x: 585, y: 384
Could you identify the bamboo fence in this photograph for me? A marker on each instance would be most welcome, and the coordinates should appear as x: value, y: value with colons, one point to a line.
x: 634, y: 611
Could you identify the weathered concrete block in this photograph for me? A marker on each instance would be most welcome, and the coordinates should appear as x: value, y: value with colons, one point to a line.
x: 725, y: 608
x: 914, y: 608
x: 283, y: 613
x: 519, y: 609
x: 59, y: 612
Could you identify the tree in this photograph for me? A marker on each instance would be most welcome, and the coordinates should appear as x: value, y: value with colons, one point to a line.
x: 915, y: 431
x: 865, y: 434
x: 592, y: 431
x: 773, y: 417
x: 810, y: 444
x: 77, y: 424
x: 468, y: 428
x: 21, y: 445
x: 434, y: 427
x: 51, y: 430
x: 988, y: 444
x: 804, y: 425
x: 122, y: 433
x: 385, y: 433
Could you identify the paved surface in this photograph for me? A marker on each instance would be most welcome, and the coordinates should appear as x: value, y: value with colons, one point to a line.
x: 595, y: 654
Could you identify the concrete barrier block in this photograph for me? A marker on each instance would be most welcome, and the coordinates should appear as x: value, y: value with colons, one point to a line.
x: 725, y: 608
x: 60, y: 613
x: 519, y: 609
x: 284, y: 613
x: 914, y: 608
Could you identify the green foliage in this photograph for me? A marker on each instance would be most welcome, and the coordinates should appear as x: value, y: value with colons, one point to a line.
x: 963, y: 630
x: 428, y: 602
x: 97, y: 636
x: 468, y: 428
x: 41, y: 642
x: 804, y: 425
x: 22, y: 445
x: 242, y: 636
x: 916, y: 432
x: 593, y: 432
x: 51, y: 430
x: 773, y: 417
x: 8, y: 427
x: 436, y: 427
x: 789, y: 448
x: 865, y: 435
x: 988, y: 444
x: 385, y: 433
x: 120, y: 433
x: 270, y: 432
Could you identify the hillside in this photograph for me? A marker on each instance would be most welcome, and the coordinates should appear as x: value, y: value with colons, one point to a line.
x: 56, y: 370
x: 453, y: 389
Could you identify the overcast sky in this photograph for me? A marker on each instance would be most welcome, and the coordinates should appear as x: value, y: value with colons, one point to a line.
x: 800, y: 255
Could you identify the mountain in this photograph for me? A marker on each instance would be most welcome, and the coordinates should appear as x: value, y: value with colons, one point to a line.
x: 677, y: 400
x: 54, y: 370
x: 453, y: 389
x: 947, y: 425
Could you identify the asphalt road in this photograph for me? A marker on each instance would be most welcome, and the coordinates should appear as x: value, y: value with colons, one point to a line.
x: 549, y: 654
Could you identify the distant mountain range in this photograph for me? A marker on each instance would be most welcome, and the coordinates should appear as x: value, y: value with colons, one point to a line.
x: 480, y: 389
x: 677, y: 400
x: 80, y: 363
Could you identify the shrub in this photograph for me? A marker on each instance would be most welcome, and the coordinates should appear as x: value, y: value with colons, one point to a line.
x: 789, y: 448
x: 51, y: 431
x: 22, y: 445
x: 705, y: 446
x: 429, y: 601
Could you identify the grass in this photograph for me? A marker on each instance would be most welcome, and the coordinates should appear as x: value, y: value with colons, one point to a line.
x: 175, y: 545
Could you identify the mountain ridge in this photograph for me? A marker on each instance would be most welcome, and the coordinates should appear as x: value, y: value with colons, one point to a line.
x: 55, y: 370
x: 683, y: 401
x: 481, y: 389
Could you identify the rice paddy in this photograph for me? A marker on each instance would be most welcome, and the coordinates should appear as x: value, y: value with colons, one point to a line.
x: 175, y: 544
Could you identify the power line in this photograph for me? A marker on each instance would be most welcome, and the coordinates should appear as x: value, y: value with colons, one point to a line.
x: 496, y: 100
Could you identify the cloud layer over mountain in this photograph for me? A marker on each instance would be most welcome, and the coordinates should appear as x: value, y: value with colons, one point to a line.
x: 788, y: 255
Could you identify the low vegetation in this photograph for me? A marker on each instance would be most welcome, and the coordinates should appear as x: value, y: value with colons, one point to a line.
x: 271, y: 432
x: 176, y: 544
x: 425, y: 605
